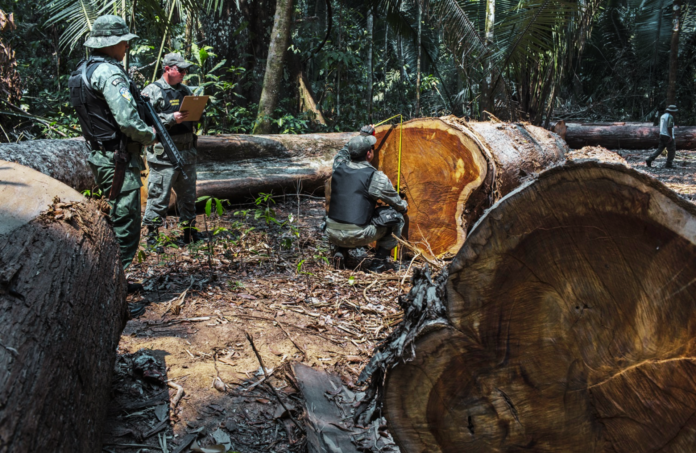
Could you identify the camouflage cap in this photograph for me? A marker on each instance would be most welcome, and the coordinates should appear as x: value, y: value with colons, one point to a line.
x: 359, y: 145
x: 175, y: 59
x: 107, y: 31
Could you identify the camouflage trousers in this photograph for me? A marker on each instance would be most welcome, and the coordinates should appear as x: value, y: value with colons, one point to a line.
x: 162, y: 179
x: 352, y: 236
x: 125, y: 211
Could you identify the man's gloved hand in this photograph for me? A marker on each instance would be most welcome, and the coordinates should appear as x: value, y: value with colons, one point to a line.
x: 367, y: 130
x: 404, y: 209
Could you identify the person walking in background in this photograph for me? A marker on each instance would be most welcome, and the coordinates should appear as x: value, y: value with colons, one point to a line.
x: 666, y: 138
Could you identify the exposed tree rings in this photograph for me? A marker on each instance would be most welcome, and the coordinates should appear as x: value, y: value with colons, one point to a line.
x: 418, y: 396
x: 440, y: 167
x: 580, y: 289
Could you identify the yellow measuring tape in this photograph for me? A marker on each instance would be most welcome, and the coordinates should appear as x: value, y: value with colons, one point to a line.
x: 398, y: 168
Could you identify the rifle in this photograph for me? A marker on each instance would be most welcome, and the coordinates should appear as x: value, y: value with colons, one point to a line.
x: 121, y: 157
x: 151, y: 119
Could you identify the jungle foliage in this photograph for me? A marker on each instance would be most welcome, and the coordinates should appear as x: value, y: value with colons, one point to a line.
x: 532, y: 60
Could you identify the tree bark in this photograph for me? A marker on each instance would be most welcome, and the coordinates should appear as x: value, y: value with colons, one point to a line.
x: 62, y: 307
x: 451, y: 170
x: 674, y: 52
x: 64, y: 160
x: 272, y: 79
x: 568, y: 325
x: 370, y: 69
x: 621, y: 135
x: 229, y: 166
x: 419, y: 40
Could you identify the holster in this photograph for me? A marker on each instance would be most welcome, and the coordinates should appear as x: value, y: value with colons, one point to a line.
x: 121, y: 161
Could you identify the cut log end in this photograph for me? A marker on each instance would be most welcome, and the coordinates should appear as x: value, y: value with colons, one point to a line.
x: 572, y: 309
x: 440, y: 166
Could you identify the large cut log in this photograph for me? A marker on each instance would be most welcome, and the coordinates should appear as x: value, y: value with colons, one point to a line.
x: 451, y: 170
x: 62, y: 310
x: 621, y: 136
x: 569, y: 324
x: 64, y: 160
x: 235, y: 166
x: 229, y: 166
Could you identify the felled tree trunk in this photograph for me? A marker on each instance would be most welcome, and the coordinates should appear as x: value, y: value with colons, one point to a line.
x: 451, y: 170
x: 569, y: 325
x: 621, y: 135
x: 229, y: 166
x: 64, y: 160
x: 237, y: 166
x: 62, y: 310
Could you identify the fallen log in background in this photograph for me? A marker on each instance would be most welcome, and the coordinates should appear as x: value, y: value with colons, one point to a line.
x: 451, y: 170
x: 229, y: 166
x: 238, y: 166
x: 62, y: 310
x: 569, y: 325
x: 621, y: 135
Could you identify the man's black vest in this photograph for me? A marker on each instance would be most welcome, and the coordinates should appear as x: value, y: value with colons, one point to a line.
x: 350, y: 202
x: 173, y: 99
x: 99, y: 127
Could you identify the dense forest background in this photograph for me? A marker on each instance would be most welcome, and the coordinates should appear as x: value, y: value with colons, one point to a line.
x: 345, y: 63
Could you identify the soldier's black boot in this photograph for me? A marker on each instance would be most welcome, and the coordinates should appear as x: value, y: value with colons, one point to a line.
x: 191, y: 233
x: 340, y: 255
x: 380, y: 263
x: 152, y: 235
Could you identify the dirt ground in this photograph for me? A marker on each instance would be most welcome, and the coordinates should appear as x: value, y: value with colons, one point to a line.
x: 266, y: 273
x: 266, y: 276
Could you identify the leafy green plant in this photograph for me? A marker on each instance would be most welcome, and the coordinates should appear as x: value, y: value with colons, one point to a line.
x: 264, y: 210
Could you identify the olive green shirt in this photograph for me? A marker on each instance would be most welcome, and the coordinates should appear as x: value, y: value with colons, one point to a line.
x: 110, y: 81
x: 156, y: 94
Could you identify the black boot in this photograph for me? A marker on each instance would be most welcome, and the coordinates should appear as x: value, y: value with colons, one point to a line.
x: 152, y: 235
x: 648, y: 162
x: 191, y: 233
x: 340, y: 255
x: 380, y: 263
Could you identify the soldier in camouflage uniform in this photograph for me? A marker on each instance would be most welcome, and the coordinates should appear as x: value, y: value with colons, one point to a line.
x: 166, y: 96
x: 356, y: 186
x: 100, y: 91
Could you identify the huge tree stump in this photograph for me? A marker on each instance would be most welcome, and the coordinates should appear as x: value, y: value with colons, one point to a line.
x: 570, y: 325
x: 62, y: 310
x: 451, y: 170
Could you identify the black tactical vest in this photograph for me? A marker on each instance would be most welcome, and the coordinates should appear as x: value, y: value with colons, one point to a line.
x: 99, y: 127
x: 173, y: 99
x: 350, y: 202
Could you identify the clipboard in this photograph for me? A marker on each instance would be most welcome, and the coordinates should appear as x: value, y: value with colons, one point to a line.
x: 194, y: 105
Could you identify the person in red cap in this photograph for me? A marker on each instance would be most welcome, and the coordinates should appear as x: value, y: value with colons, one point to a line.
x: 353, y: 219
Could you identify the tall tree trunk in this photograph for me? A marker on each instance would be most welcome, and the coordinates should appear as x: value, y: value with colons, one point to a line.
x: 653, y: 69
x: 280, y: 38
x: 674, y: 52
x: 487, y: 85
x: 340, y: 66
x: 370, y: 29
x: 419, y: 5
x: 385, y: 62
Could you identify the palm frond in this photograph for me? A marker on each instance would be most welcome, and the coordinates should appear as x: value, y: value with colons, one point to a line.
x: 79, y: 15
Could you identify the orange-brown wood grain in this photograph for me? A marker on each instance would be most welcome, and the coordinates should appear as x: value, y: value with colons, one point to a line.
x: 440, y: 167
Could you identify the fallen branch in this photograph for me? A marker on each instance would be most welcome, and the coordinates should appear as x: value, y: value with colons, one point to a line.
x: 275, y: 392
x: 179, y: 393
x: 415, y: 250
